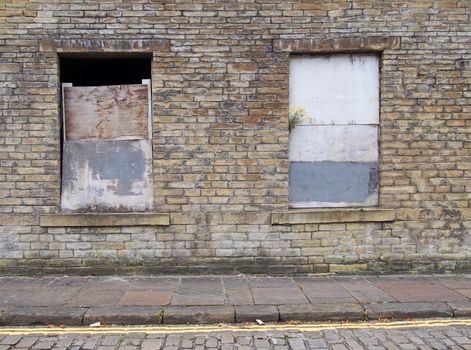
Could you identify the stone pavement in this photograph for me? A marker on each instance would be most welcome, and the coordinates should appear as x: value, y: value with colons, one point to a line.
x: 226, y: 299
x: 425, y: 338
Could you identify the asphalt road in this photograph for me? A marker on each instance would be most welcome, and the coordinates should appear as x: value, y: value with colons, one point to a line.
x: 429, y: 334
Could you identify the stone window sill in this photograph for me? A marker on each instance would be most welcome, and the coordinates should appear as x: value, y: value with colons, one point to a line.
x: 105, y: 219
x: 323, y: 216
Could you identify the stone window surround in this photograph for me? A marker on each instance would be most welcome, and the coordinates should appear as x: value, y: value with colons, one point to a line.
x: 101, y: 48
x: 332, y: 46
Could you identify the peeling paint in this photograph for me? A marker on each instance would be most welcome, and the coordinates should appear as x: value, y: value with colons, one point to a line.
x: 107, y: 175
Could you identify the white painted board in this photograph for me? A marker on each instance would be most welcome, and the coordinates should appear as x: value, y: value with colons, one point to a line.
x: 336, y: 89
x: 337, y: 143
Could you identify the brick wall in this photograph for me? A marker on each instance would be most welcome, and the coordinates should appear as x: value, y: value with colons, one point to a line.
x: 220, y: 109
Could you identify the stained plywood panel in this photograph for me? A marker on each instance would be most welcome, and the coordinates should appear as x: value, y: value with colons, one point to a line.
x: 333, y: 184
x: 118, y: 112
x: 336, y: 89
x: 107, y: 175
x: 338, y: 143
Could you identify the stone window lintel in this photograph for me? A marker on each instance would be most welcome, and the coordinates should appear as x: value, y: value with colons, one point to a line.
x: 311, y: 46
x: 102, y: 46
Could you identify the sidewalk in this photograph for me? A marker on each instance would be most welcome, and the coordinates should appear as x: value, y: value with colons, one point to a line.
x: 122, y: 300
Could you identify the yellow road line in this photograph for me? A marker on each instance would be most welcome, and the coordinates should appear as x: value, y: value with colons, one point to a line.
x: 305, y: 327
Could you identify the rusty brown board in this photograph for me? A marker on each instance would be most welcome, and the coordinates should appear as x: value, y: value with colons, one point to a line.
x: 118, y: 112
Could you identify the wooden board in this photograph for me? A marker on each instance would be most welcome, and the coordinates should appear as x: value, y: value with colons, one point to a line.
x: 118, y: 112
x: 107, y: 175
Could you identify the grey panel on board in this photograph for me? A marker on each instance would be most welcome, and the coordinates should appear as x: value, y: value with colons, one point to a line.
x: 107, y: 175
x: 333, y: 182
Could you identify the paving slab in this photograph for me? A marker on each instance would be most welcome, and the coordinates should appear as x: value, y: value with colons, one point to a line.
x: 266, y: 313
x: 109, y: 282
x: 326, y: 293
x: 34, y: 316
x: 198, y: 314
x: 154, y: 283
x: 407, y: 310
x: 25, y: 282
x: 44, y: 296
x: 234, y: 282
x: 87, y: 297
x: 146, y: 297
x: 68, y: 281
x: 210, y: 285
x: 464, y: 292
x: 239, y: 297
x: 198, y: 299
x: 278, y: 296
x: 124, y: 315
x: 199, y: 291
x: 419, y: 291
x: 365, y: 292
x: 21, y: 297
x: 454, y: 282
x: 271, y: 282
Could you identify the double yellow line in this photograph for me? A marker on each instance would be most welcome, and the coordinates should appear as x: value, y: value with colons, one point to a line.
x: 305, y: 327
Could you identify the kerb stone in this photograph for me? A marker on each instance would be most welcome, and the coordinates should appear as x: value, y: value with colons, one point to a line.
x: 198, y: 314
x: 124, y: 315
x: 407, y: 310
x: 250, y: 313
x: 321, y: 312
x: 33, y: 316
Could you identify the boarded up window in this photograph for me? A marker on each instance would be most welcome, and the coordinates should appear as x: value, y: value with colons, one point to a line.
x: 333, y: 153
x: 107, y: 149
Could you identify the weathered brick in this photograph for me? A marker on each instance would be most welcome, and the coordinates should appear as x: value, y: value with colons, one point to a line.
x: 220, y: 77
x: 242, y: 68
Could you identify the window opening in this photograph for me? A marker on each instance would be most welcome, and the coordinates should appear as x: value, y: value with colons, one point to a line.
x: 333, y: 148
x: 107, y: 134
